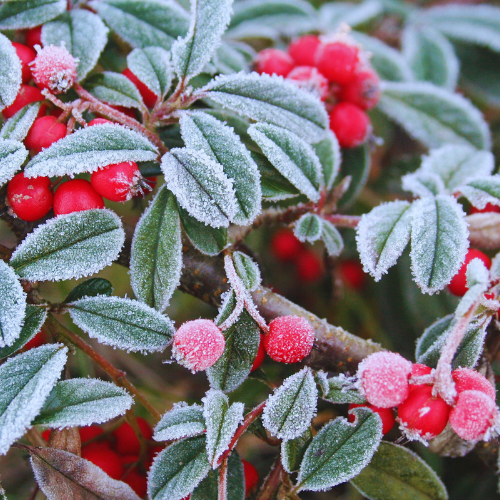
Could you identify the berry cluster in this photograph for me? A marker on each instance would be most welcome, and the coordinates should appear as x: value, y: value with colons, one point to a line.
x: 336, y: 71
x: 388, y: 380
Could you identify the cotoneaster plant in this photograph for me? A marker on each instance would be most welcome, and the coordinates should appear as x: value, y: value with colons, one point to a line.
x: 269, y: 158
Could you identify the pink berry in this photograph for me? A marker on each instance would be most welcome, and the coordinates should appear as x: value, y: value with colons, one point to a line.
x: 458, y: 284
x: 273, y: 62
x: 261, y: 354
x: 309, y: 266
x: 43, y: 133
x: 303, y: 50
x: 54, y: 68
x: 310, y: 79
x: 337, y: 61
x: 473, y: 415
x: 423, y: 414
x: 98, y: 121
x: 148, y: 96
x: 34, y: 36
x: 198, y: 344
x: 384, y: 379
x: 290, y: 339
x: 118, y: 182
x: 76, y: 195
x: 487, y: 209
x: 469, y: 380
x: 363, y: 90
x: 350, y: 124
x: 285, y: 246
x: 25, y: 96
x: 26, y: 54
x: 385, y: 414
x: 30, y: 198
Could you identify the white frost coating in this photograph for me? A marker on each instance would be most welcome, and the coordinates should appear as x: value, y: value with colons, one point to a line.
x: 291, y: 156
x: 17, y: 127
x: 89, y: 149
x: 222, y: 421
x: 123, y: 323
x: 482, y: 191
x: 248, y: 271
x: 423, y: 184
x: 33, y: 14
x: 292, y: 406
x: 308, y: 228
x: 10, y: 72
x: 153, y: 68
x: 115, y: 88
x: 70, y: 246
x: 12, y: 305
x: 477, y: 273
x: 26, y: 381
x: 438, y: 241
x: 182, y: 421
x: 382, y: 235
x: 200, y: 185
x: 332, y: 239
x: 12, y: 156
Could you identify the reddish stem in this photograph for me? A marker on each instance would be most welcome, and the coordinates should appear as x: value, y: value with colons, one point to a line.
x: 343, y: 220
x: 222, y: 487
x: 272, y: 482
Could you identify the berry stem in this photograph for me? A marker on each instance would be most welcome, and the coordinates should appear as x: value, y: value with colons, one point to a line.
x: 272, y: 481
x: 222, y: 485
x: 343, y: 220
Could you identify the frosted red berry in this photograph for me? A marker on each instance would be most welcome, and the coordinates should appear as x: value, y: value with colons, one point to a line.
x: 418, y: 370
x: 467, y: 379
x: 337, y: 61
x: 290, y: 339
x: 309, y: 266
x: 34, y: 36
x: 385, y: 414
x: 105, y: 459
x: 285, y: 246
x: 384, y: 378
x: 198, y: 344
x: 90, y: 432
x: 273, y: 62
x: 30, y: 199
x: 261, y: 354
x: 251, y: 477
x: 54, y: 68
x: 310, y: 79
x: 118, y: 182
x: 474, y: 413
x: 137, y: 481
x: 25, y: 96
x: 98, y: 121
x: 76, y: 195
x: 127, y: 443
x: 43, y: 133
x: 148, y: 96
x: 26, y: 55
x: 423, y: 414
x: 350, y: 124
x: 363, y: 90
x: 458, y: 284
x: 352, y: 274
x: 303, y: 50
x: 487, y: 209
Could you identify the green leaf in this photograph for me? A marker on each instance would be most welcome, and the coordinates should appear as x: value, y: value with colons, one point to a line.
x: 247, y: 270
x: 12, y: 156
x: 332, y: 239
x: 181, y: 421
x: 340, y: 451
x: 438, y: 241
x: 328, y: 152
x: 308, y: 228
x: 433, y: 115
x: 156, y: 255
x: 115, y: 89
x: 270, y: 99
x: 228, y: 58
x: 424, y: 183
x: 396, y: 473
x: 89, y: 149
x: 22, y: 14
x: 26, y: 381
x: 90, y: 288
x: 427, y: 349
x: 292, y: 451
x: 123, y: 323
x: 82, y: 401
x: 482, y: 191
x: 17, y: 127
x: 332, y: 14
x: 356, y: 164
x: 144, y: 23
x: 70, y: 246
x: 178, y: 469
x: 10, y: 69
x: 338, y: 390
x: 83, y: 34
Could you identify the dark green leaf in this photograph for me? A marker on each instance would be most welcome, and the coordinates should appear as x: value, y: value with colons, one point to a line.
x: 180, y: 422
x: 90, y: 288
x: 17, y: 127
x: 355, y: 163
x: 292, y: 451
x: 116, y: 89
x: 21, y: 14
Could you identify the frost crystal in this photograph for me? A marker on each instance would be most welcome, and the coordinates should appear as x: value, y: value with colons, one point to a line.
x: 17, y: 127
x: 422, y: 183
x: 12, y: 156
x: 181, y: 421
x: 10, y: 72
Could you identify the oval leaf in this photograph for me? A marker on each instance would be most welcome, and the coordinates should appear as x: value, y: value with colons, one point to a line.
x: 90, y: 288
x: 22, y: 14
x: 247, y: 270
x: 328, y: 152
x: 181, y: 421
x: 12, y: 156
x: 332, y: 239
x: 482, y: 191
x: 356, y: 163
x: 292, y: 451
x: 17, y: 127
x: 308, y: 228
x: 10, y: 68
x: 116, y: 89
x: 152, y: 67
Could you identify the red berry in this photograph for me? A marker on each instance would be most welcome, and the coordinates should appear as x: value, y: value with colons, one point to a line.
x: 309, y: 267
x: 423, y: 414
x: 251, y: 477
x: 46, y: 434
x: 138, y: 482
x: 273, y: 62
x: 418, y: 370
x: 148, y: 96
x: 118, y: 182
x: 386, y: 415
x: 89, y: 432
x: 350, y: 124
x: 98, y: 121
x: 384, y: 379
x: 458, y: 284
x: 34, y: 36
x: 26, y: 96
x: 310, y: 79
x: 43, y: 133
x: 467, y: 379
x: 54, y: 68
x: 30, y: 199
x: 285, y: 246
x: 198, y: 344
x: 487, y: 209
x: 351, y: 272
x: 363, y: 91
x: 303, y: 50
x: 76, y: 195
x: 105, y: 459
x: 261, y: 354
x: 127, y: 443
x: 26, y: 54
x: 337, y: 61
x: 290, y: 339
x: 39, y: 339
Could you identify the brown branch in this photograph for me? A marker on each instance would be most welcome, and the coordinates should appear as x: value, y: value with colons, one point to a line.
x: 272, y: 482
x: 222, y: 485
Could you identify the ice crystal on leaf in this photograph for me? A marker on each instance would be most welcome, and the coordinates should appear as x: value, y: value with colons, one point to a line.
x: 10, y: 72
x: 12, y: 156
x: 182, y: 421
x: 17, y: 127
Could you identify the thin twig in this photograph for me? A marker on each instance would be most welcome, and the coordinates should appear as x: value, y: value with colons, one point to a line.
x: 343, y: 220
x: 272, y: 482
x: 222, y: 485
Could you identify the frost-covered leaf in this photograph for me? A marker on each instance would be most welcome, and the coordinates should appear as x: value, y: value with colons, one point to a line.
x: 12, y: 156
x: 356, y: 163
x: 328, y: 152
x: 397, y: 473
x: 123, y: 323
x: 156, y: 255
x: 200, y: 185
x: 114, y: 88
x: 220, y: 143
x: 482, y: 191
x: 61, y: 474
x: 308, y: 228
x: 425, y: 352
x: 382, y: 235
x: 270, y: 99
x: 438, y: 241
x: 83, y: 34
x: 82, y: 401
x: 89, y: 149
x: 10, y: 69
x: 433, y: 115
x: 247, y: 270
x: 181, y: 421
x: 431, y: 56
x: 70, y: 246
x: 209, y: 20
x: 33, y: 320
x: 222, y: 420
x: 21, y: 14
x: 423, y: 183
x: 153, y: 68
x: 17, y: 127
x: 291, y: 156
x: 340, y: 451
x: 178, y: 469
x: 90, y: 288
x: 292, y: 406
x: 26, y: 381
x: 292, y: 451
x: 339, y: 390
x: 332, y: 239
x: 144, y: 23
x: 333, y: 14
x: 228, y: 58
